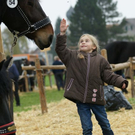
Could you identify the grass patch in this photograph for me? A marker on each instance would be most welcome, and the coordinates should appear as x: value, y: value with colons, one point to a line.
x: 29, y: 99
x: 49, y: 79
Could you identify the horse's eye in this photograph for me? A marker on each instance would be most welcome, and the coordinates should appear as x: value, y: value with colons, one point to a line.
x: 30, y: 4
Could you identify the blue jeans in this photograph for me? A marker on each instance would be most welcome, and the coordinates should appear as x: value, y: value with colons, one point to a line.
x: 84, y: 111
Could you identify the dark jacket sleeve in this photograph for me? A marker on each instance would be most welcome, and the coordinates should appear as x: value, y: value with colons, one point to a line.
x: 62, y: 50
x: 13, y: 73
x: 110, y: 77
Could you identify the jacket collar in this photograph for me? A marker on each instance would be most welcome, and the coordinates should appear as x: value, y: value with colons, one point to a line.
x: 94, y: 53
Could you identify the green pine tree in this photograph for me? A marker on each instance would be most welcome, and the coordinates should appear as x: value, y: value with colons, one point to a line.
x: 96, y: 17
x: 115, y: 27
x: 87, y: 18
x: 109, y: 9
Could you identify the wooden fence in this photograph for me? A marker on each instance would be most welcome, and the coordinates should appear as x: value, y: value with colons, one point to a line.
x: 38, y: 69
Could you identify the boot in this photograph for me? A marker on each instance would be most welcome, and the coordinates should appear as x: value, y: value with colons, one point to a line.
x: 108, y: 132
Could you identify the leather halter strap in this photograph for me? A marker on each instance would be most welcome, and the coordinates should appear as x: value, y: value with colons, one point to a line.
x: 31, y: 27
x: 7, y: 129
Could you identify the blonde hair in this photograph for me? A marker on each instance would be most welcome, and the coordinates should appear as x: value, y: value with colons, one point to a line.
x: 94, y: 41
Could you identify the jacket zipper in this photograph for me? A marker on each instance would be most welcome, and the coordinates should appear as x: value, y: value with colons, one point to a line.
x: 87, y: 78
x: 70, y: 84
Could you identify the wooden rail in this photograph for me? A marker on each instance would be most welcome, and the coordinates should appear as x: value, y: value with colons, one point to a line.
x: 38, y: 69
x: 44, y: 67
x: 115, y: 67
x: 120, y: 66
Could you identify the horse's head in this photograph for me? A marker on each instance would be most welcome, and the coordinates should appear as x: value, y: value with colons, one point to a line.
x: 29, y: 19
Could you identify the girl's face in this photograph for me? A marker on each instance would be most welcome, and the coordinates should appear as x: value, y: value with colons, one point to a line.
x: 86, y: 45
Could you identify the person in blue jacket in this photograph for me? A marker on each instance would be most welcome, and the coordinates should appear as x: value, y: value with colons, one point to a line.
x: 58, y: 73
x: 14, y: 75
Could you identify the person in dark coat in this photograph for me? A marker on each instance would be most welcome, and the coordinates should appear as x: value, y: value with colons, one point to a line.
x: 14, y: 75
x: 58, y: 73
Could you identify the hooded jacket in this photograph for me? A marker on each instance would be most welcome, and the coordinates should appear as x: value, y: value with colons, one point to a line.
x: 85, y: 77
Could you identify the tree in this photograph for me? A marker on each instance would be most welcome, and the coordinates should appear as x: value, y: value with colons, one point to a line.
x: 96, y: 17
x: 115, y: 27
x: 109, y: 9
x: 87, y: 18
x: 21, y: 46
x: 57, y: 30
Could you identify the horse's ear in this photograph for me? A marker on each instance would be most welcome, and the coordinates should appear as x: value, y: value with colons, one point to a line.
x: 7, y: 63
x: 1, y: 64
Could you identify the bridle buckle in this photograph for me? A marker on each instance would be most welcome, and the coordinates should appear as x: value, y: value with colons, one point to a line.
x: 33, y: 28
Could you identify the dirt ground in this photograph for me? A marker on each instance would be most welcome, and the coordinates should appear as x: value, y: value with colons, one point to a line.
x: 62, y: 119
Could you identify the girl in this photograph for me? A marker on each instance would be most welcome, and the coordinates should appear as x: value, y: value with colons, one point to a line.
x: 86, y: 73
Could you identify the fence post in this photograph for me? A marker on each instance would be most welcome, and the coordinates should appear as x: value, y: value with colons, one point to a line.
x: 40, y: 86
x: 26, y: 81
x: 132, y: 77
x: 2, y: 55
x: 104, y: 53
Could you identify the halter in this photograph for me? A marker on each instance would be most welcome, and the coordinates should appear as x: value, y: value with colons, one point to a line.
x: 31, y: 27
x: 7, y: 129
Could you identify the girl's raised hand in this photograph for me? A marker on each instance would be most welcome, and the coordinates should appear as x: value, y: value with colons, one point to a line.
x: 63, y: 27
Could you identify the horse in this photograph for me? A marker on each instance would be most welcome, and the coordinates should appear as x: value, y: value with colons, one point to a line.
x: 119, y: 52
x: 27, y: 18
x: 7, y: 125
